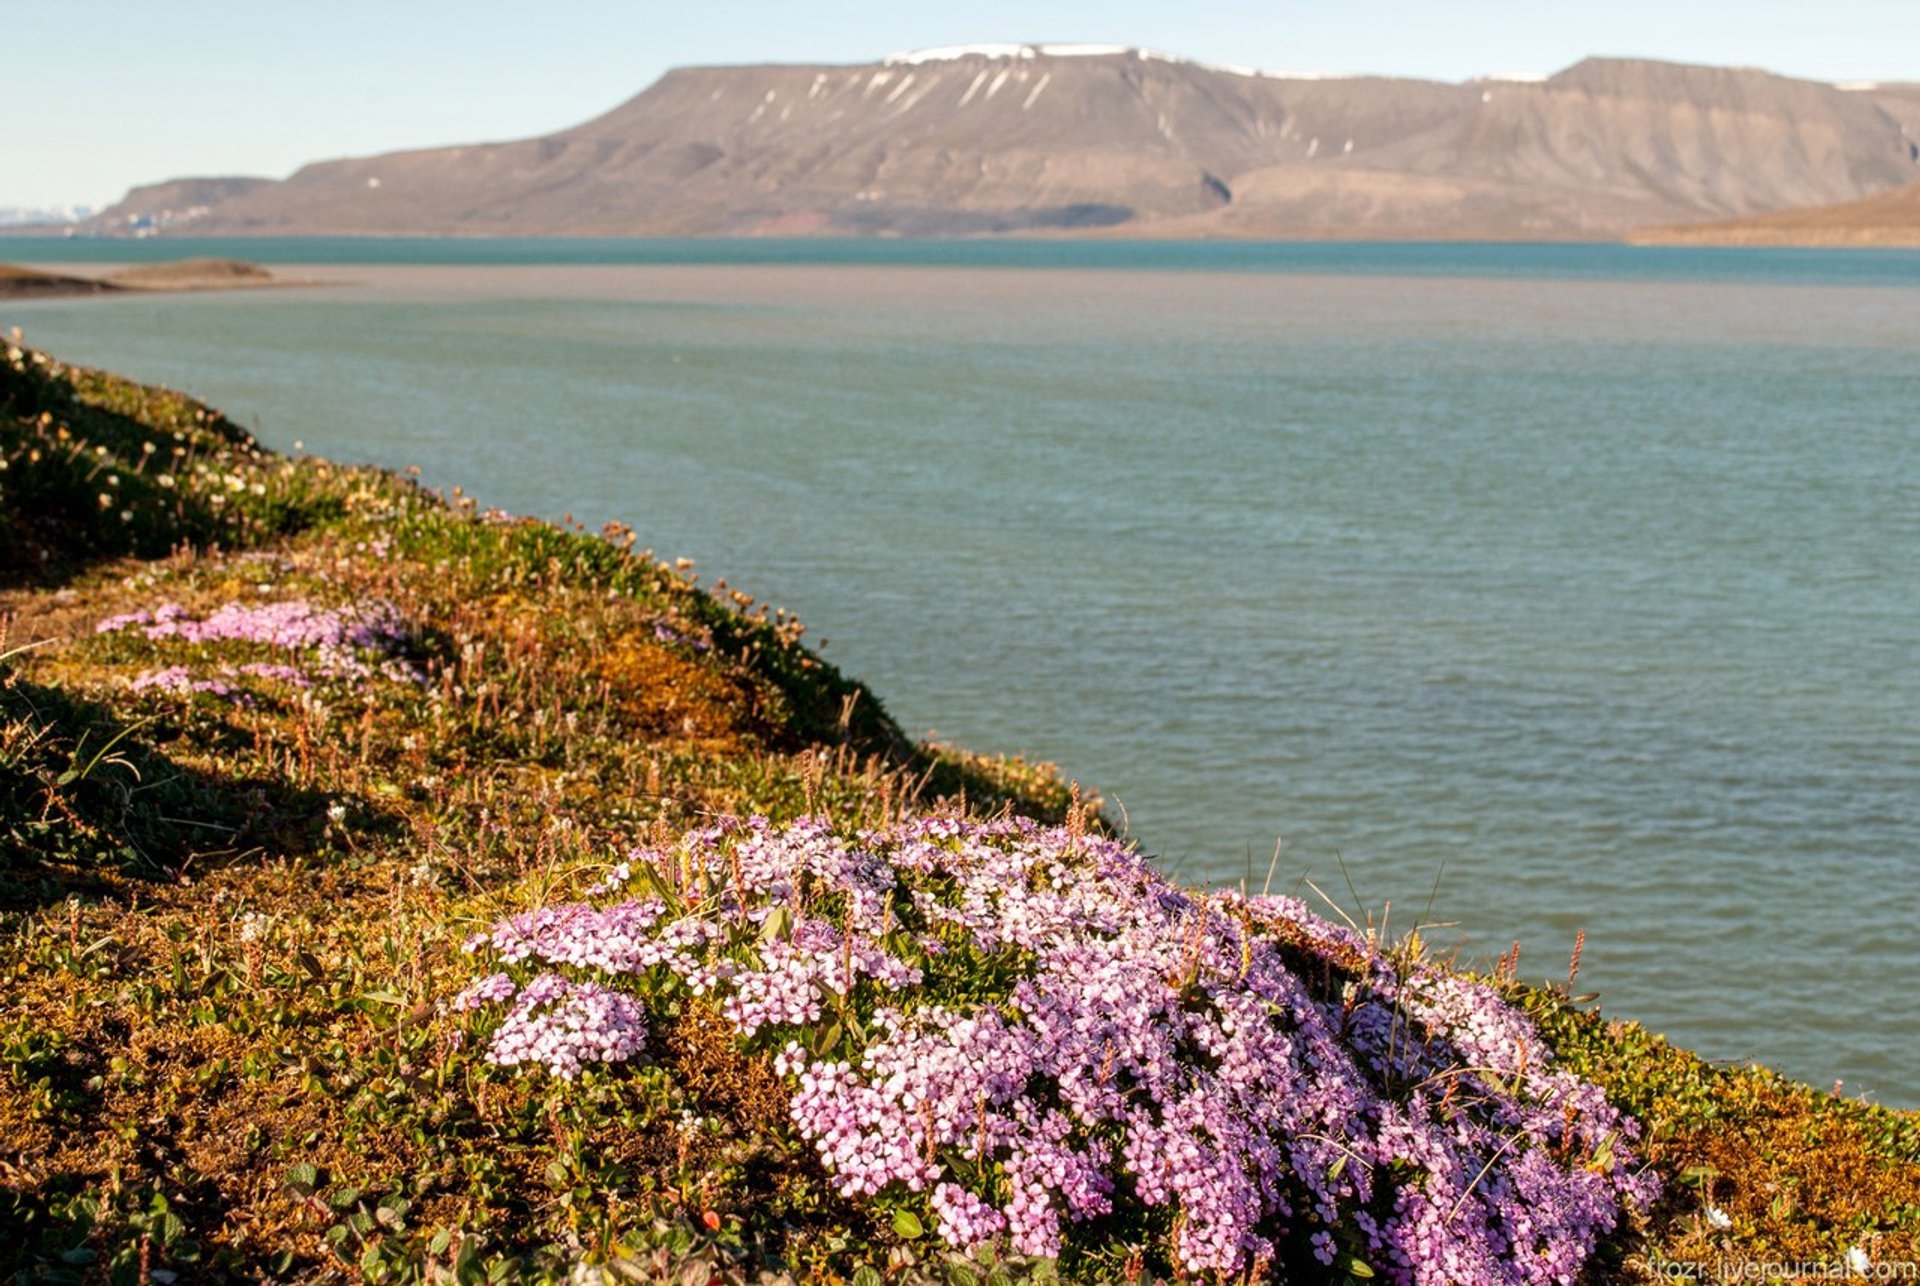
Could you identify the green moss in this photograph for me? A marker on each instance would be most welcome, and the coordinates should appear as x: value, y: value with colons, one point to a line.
x: 1800, y: 1175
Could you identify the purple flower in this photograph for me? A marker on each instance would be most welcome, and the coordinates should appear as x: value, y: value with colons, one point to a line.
x: 177, y: 678
x: 565, y: 1025
x: 340, y: 643
x: 1048, y: 1029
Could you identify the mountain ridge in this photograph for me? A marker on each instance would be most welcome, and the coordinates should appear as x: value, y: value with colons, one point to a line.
x: 1105, y: 140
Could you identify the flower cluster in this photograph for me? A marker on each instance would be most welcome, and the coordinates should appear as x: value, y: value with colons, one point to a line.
x: 1028, y: 1029
x: 178, y: 678
x: 560, y: 1023
x: 351, y: 643
x: 666, y: 631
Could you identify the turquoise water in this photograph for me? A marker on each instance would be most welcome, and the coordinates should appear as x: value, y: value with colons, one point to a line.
x: 1542, y: 261
x: 1582, y: 580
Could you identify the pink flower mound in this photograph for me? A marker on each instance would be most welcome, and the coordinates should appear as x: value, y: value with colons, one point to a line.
x: 560, y: 1023
x: 1036, y: 1032
x: 343, y: 643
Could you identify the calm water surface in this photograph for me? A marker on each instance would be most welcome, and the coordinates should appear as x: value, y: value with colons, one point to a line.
x: 1585, y: 580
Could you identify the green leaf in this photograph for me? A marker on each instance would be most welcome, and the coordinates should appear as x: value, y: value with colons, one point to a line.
x: 651, y: 882
x: 907, y: 1224
x: 866, y: 1275
x: 304, y: 1179
x: 1358, y: 1267
x: 777, y: 925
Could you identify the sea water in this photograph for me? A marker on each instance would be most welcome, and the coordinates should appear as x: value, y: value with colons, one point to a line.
x: 1559, y: 587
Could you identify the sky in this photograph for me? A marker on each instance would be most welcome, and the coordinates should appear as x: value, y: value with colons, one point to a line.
x: 100, y: 95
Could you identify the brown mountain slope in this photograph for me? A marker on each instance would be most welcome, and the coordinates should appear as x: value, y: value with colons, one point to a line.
x: 171, y: 203
x: 1012, y: 138
x: 1901, y: 102
x: 1884, y: 219
x: 1612, y: 143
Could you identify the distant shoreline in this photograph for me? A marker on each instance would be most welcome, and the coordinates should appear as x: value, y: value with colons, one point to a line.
x: 102, y: 256
x: 1758, y: 237
x: 1737, y: 236
x: 25, y: 283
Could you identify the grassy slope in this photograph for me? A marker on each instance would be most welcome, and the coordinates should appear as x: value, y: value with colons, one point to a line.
x: 224, y: 929
x: 1880, y: 220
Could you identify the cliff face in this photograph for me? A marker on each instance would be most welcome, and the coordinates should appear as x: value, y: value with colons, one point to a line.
x: 1899, y: 101
x: 1883, y: 218
x: 1021, y: 138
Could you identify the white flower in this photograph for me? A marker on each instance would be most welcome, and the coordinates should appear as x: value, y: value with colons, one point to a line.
x: 1857, y: 1261
x: 252, y: 925
x: 1719, y: 1218
x: 337, y: 813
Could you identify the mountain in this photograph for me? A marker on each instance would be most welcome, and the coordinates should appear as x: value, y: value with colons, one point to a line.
x: 174, y: 203
x: 1024, y: 138
x: 12, y: 216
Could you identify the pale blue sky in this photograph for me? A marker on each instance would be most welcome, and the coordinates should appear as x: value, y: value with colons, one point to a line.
x: 101, y: 94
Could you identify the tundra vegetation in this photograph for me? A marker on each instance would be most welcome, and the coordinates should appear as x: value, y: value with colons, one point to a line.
x: 398, y: 891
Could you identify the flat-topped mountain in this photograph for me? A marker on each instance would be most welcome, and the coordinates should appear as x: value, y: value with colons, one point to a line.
x: 1013, y: 138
